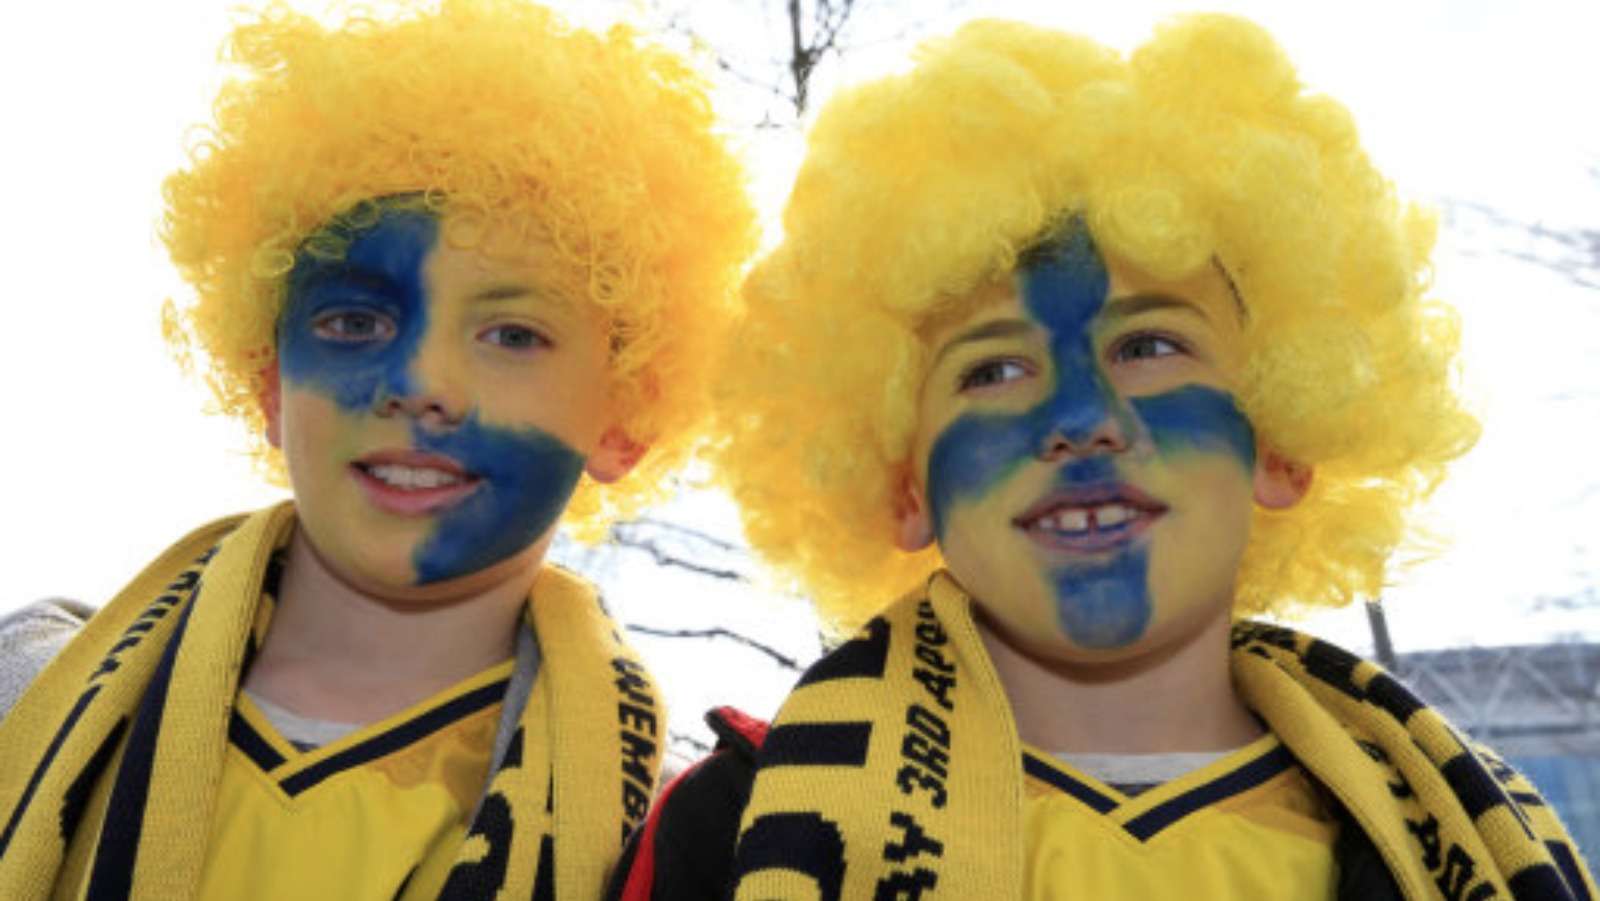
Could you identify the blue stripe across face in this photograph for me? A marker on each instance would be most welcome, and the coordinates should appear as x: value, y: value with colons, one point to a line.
x: 1196, y: 418
x: 526, y: 475
x: 1106, y: 603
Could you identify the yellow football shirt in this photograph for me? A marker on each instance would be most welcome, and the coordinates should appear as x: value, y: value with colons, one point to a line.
x: 1249, y: 825
x: 380, y: 810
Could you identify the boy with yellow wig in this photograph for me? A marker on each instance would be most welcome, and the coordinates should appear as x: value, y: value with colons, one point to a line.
x: 1096, y: 355
x: 460, y: 267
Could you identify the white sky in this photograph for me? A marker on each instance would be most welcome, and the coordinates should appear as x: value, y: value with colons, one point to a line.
x: 110, y: 458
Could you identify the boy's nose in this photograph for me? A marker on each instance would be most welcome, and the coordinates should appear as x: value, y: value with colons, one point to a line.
x: 1085, y: 417
x: 426, y: 387
x: 427, y: 408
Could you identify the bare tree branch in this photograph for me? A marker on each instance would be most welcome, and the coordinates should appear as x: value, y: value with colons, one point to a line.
x: 684, y: 738
x: 812, y: 30
x: 666, y: 558
x: 646, y: 534
x: 1574, y: 253
x: 692, y: 533
x: 782, y: 659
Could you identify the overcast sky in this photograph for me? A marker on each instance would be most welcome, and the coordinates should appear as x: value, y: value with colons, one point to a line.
x: 110, y: 458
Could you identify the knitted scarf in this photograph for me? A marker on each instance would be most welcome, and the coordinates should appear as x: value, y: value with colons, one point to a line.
x: 139, y: 706
x: 894, y: 771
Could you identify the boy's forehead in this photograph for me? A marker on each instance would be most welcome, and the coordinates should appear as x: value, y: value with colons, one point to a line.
x: 1070, y: 241
x: 492, y: 253
x: 498, y: 251
x: 517, y: 248
x: 1208, y: 289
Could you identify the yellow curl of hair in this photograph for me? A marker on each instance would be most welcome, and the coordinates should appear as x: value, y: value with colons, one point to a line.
x: 496, y: 111
x: 1202, y: 144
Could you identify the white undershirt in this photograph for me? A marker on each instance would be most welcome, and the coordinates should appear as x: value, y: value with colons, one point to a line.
x: 303, y: 732
x: 1134, y: 773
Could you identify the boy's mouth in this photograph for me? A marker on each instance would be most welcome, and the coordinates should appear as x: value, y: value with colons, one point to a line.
x: 410, y: 483
x: 1089, y: 518
x: 411, y: 477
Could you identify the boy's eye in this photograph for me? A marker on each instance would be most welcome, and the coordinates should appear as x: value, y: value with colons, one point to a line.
x: 353, y: 327
x: 514, y: 337
x: 992, y: 372
x: 1146, y: 347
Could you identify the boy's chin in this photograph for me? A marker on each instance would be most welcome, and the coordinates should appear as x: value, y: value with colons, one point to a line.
x: 1049, y: 648
x: 1054, y: 649
x: 395, y: 581
x: 445, y: 588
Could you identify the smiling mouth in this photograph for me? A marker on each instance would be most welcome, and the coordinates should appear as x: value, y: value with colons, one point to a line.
x: 412, y: 477
x: 413, y: 484
x: 1087, y: 520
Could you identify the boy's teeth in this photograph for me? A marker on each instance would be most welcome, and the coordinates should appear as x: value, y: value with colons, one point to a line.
x: 1078, y: 519
x: 408, y: 477
x: 1112, y: 515
x: 1071, y: 521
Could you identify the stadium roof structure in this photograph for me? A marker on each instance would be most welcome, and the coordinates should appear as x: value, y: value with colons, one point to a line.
x: 1536, y: 705
x: 1521, y: 699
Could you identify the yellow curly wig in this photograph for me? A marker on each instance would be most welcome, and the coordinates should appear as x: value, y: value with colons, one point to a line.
x: 494, y: 112
x: 1202, y: 144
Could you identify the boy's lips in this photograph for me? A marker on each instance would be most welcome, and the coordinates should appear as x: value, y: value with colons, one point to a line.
x: 412, y: 483
x: 1090, y: 518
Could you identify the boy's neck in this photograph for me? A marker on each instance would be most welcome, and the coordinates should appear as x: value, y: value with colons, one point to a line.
x: 334, y: 652
x: 1178, y: 698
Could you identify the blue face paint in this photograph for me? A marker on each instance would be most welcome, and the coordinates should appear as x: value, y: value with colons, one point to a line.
x: 1106, y: 603
x: 381, y: 275
x: 528, y: 477
x: 1197, y: 418
x: 1064, y: 293
x: 525, y: 476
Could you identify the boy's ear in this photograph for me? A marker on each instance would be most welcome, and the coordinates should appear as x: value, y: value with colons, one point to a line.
x: 614, y: 456
x: 271, y: 400
x: 913, y: 522
x: 1280, y: 483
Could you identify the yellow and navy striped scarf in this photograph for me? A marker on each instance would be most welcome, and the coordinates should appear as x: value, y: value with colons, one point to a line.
x: 139, y: 705
x: 894, y: 771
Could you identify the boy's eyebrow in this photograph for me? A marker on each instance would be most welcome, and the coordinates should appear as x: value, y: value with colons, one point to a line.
x: 1140, y: 302
x: 339, y: 271
x: 503, y: 291
x: 1134, y: 304
x: 986, y: 331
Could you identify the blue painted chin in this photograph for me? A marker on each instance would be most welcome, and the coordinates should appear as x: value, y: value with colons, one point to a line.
x: 528, y: 477
x: 1105, y: 606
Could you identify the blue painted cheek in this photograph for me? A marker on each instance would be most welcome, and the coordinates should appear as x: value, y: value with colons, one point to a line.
x: 383, y: 272
x: 528, y: 477
x: 1197, y: 419
x: 969, y: 458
